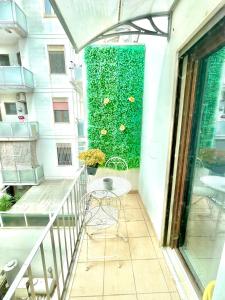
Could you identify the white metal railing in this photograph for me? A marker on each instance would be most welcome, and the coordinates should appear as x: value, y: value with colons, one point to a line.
x: 29, y: 176
x: 11, y: 14
x: 63, y: 233
x: 19, y: 130
x: 16, y: 77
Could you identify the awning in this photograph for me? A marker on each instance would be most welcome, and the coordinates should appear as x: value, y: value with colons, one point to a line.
x: 84, y: 20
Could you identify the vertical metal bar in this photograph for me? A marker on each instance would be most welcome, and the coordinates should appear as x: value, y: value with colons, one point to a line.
x: 44, y: 270
x: 55, y: 261
x: 30, y: 276
x: 75, y: 210
x: 72, y: 216
x: 60, y: 250
x: 65, y: 240
x: 67, y: 202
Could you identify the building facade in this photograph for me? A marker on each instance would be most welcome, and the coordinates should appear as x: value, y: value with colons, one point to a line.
x: 40, y: 95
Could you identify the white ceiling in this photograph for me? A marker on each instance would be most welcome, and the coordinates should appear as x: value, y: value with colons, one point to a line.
x: 83, y: 20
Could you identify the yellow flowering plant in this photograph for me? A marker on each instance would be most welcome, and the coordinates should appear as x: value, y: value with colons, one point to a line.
x: 106, y: 101
x: 92, y: 157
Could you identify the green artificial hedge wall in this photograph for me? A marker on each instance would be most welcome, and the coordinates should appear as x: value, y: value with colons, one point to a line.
x: 211, y: 99
x: 115, y: 79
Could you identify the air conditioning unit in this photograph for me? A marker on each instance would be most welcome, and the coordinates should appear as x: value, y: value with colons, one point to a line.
x: 21, y: 97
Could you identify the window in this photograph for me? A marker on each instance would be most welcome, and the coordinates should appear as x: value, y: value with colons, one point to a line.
x: 10, y: 108
x: 64, y: 154
x: 18, y: 56
x: 61, y: 110
x: 56, y: 59
x: 48, y: 8
x: 4, y: 60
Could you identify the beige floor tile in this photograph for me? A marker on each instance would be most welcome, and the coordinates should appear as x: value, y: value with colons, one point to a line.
x: 96, y: 250
x: 168, y: 276
x: 133, y: 214
x: 88, y: 283
x: 142, y: 248
x: 157, y: 248
x: 175, y: 296
x: 122, y: 230
x: 130, y: 202
x: 154, y: 296
x: 118, y: 280
x: 86, y: 298
x: 117, y: 249
x: 120, y: 297
x: 137, y: 229
x: 149, y: 276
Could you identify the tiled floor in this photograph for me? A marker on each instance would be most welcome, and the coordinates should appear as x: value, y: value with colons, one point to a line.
x: 203, y: 244
x: 120, y: 270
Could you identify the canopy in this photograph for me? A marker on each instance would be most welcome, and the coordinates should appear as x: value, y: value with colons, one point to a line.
x: 84, y: 20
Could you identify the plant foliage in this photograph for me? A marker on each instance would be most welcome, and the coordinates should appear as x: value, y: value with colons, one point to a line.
x: 115, y: 77
x: 5, y: 202
x: 92, y: 157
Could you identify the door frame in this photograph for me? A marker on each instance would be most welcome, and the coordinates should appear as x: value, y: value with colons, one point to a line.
x: 211, y: 41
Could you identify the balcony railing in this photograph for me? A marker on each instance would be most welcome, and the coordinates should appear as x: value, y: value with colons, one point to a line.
x: 16, y: 78
x: 57, y: 246
x: 31, y: 176
x: 18, y: 131
x: 12, y: 17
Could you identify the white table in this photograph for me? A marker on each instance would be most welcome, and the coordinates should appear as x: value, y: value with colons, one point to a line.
x: 121, y: 186
x: 216, y: 183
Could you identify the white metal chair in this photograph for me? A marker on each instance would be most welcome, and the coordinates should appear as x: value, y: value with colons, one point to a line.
x: 116, y: 163
x: 103, y: 211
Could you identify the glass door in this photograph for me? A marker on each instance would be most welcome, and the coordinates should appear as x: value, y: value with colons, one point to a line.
x: 202, y: 223
x: 198, y: 208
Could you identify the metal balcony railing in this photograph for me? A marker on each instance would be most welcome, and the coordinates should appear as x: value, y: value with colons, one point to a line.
x: 16, y: 77
x: 31, y: 176
x: 57, y: 246
x: 18, y: 131
x: 12, y: 17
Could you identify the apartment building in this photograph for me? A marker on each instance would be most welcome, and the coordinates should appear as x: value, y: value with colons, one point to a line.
x: 40, y: 95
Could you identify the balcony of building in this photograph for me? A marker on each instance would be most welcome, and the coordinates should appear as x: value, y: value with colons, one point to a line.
x: 13, y: 23
x: 15, y: 79
x: 23, y: 176
x: 19, y: 131
x: 52, y: 261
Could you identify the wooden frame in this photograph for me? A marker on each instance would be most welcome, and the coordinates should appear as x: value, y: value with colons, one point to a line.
x: 212, y: 41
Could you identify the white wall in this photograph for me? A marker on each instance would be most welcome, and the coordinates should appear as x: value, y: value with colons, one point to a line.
x: 188, y: 18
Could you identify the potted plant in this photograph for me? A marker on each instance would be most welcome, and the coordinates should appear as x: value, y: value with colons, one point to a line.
x: 92, y: 158
x: 213, y: 159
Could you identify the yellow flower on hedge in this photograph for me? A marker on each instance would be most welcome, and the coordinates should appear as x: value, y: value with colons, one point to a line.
x: 106, y: 101
x: 122, y: 127
x: 131, y: 99
x: 103, y: 132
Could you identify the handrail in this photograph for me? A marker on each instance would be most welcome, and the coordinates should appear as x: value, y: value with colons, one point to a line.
x: 39, y: 242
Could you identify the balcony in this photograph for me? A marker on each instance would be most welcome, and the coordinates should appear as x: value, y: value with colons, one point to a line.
x: 15, y: 79
x: 27, y: 176
x: 55, y: 242
x: 12, y: 20
x: 77, y: 79
x: 15, y: 131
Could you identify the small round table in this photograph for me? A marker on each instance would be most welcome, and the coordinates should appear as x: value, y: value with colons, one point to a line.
x: 121, y: 186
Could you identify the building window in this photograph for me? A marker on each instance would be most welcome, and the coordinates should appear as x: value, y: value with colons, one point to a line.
x: 56, y: 59
x: 64, y: 154
x: 18, y: 56
x: 61, y: 110
x: 4, y: 60
x: 48, y: 8
x: 10, y: 108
